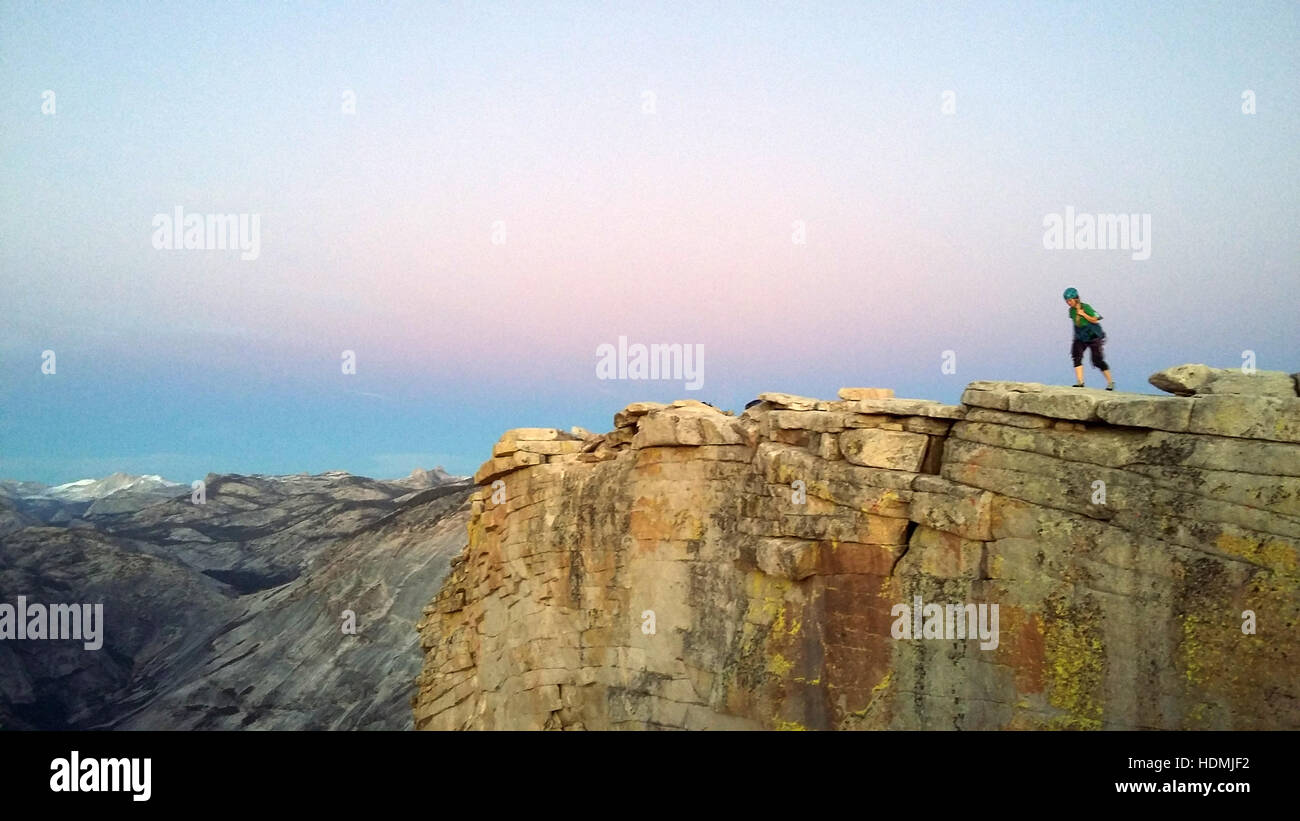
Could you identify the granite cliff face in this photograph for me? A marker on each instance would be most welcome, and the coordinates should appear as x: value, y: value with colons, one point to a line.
x: 696, y: 569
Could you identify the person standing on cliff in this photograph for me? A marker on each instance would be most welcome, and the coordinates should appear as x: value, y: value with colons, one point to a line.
x: 1087, y: 334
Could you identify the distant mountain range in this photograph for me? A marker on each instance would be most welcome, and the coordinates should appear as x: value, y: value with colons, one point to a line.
x: 64, y: 504
x: 229, y: 613
x: 91, y: 489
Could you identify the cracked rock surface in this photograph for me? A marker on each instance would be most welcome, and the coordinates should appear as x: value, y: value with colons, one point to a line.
x: 696, y: 569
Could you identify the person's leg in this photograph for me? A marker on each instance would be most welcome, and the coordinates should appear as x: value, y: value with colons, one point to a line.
x: 1098, y: 355
x: 1076, y: 355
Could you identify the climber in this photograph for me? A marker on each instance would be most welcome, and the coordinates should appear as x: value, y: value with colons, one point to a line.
x: 1087, y: 334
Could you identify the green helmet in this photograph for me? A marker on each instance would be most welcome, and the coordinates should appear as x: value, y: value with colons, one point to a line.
x: 1071, y: 293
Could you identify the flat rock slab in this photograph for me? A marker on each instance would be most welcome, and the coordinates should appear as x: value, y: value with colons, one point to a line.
x: 1035, y: 401
x: 790, y: 401
x: 998, y: 400
x: 693, y: 403
x: 1158, y: 412
x: 996, y: 395
x: 997, y: 385
x: 905, y: 407
x: 499, y: 466
x: 896, y: 450
x: 535, y: 435
x: 820, y: 421
x: 1249, y: 417
x: 553, y: 447
x: 1078, y: 404
x: 866, y: 393
x: 998, y: 417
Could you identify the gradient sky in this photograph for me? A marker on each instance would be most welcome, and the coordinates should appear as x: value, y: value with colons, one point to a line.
x: 924, y: 229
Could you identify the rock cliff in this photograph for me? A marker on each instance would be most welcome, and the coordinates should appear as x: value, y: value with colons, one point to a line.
x: 697, y: 569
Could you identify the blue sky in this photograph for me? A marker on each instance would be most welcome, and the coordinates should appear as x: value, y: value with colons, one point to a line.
x: 923, y: 228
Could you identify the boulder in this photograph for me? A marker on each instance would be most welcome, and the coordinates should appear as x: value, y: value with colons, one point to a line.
x: 628, y: 416
x: 1182, y: 380
x: 686, y: 427
x: 1190, y: 380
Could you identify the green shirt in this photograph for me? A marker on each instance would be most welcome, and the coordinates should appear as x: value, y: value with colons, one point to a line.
x: 1086, y: 331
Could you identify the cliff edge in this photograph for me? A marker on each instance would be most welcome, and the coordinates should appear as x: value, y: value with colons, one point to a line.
x: 1035, y: 557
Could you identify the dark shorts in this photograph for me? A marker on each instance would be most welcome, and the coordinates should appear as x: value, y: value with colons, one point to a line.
x: 1097, y: 353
